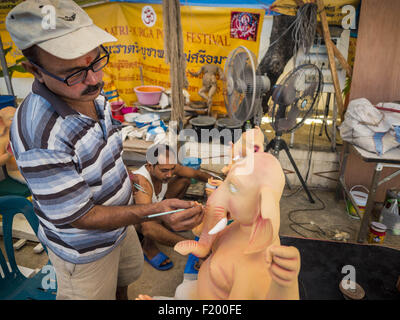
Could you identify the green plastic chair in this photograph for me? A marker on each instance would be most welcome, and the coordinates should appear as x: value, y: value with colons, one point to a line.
x: 13, y: 284
x: 11, y: 187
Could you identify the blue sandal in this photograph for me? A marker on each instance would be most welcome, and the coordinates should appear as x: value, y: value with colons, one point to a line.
x: 157, y: 260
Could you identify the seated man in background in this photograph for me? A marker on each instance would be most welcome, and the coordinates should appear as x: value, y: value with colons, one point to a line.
x: 161, y: 178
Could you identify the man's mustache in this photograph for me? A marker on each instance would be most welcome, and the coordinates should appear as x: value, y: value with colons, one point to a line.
x: 91, y: 89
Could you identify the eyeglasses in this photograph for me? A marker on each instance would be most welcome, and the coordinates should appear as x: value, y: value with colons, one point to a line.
x: 80, y: 75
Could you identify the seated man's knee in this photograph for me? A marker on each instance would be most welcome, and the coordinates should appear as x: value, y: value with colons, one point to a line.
x: 147, y: 229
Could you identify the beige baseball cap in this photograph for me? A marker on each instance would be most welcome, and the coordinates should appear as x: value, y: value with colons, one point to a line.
x: 60, y: 27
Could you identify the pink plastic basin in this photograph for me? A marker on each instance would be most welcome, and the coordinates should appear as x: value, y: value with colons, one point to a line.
x: 148, y: 95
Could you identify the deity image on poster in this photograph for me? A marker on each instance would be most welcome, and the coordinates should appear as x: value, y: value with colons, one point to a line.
x: 244, y: 25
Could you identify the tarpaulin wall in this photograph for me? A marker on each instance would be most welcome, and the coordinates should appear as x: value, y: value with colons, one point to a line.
x: 209, y: 35
x: 208, y: 32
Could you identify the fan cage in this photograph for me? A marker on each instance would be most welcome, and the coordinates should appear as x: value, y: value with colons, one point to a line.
x: 316, y: 81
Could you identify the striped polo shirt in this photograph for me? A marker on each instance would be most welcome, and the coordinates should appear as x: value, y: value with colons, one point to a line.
x: 71, y: 163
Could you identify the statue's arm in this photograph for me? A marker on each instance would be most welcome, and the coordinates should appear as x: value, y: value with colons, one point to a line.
x: 283, y: 264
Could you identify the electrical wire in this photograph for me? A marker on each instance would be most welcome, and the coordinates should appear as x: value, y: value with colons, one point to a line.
x: 325, y: 125
x: 322, y: 63
x: 327, y: 233
x: 283, y: 33
x: 303, y: 224
x: 305, y: 27
x: 291, y: 213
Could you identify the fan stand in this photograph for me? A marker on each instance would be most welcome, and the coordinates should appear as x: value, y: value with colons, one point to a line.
x: 277, y: 144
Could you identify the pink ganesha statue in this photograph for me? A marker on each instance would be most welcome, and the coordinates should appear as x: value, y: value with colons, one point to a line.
x: 244, y: 260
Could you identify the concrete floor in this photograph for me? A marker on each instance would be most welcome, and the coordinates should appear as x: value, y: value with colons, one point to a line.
x: 332, y: 217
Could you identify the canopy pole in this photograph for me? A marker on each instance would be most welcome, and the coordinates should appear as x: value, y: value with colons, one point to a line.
x: 174, y: 56
x: 5, y: 69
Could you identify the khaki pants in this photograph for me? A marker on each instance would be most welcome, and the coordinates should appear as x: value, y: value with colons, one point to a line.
x: 98, y: 280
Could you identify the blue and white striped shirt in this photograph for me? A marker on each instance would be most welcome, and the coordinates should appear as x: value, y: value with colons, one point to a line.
x: 71, y: 163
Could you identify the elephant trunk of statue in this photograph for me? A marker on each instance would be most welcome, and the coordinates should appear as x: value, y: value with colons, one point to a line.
x: 248, y: 198
x: 215, y: 220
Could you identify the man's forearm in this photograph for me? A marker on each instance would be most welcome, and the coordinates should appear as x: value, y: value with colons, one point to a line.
x: 203, y: 176
x: 113, y: 217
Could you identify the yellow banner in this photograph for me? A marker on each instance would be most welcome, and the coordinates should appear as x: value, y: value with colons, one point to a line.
x: 209, y: 35
x: 13, y: 54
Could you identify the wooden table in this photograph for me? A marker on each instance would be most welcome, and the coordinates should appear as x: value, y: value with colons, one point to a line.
x: 196, y: 190
x: 389, y: 159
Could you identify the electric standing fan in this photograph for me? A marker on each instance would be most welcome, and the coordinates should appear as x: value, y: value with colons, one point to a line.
x: 294, y: 99
x: 244, y: 86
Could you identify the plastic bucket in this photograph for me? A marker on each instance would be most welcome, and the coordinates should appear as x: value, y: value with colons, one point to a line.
x: 7, y: 101
x: 202, y: 123
x: 116, y: 107
x: 235, y: 128
x: 149, y: 95
x: 360, y: 198
x: 377, y: 232
x: 118, y: 117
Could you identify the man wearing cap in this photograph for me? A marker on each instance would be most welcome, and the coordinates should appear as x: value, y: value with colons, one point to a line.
x: 68, y: 148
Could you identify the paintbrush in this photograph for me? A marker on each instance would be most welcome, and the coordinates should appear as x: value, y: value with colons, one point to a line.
x: 167, y: 212
x: 163, y: 213
x: 140, y: 188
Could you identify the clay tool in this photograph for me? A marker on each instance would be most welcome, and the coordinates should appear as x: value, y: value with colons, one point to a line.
x: 168, y: 212
x: 163, y: 213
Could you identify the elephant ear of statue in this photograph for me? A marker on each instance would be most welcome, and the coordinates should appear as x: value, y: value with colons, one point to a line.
x: 269, y: 176
x: 266, y: 225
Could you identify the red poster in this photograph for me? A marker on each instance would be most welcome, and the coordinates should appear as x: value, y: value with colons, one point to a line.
x: 244, y: 25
